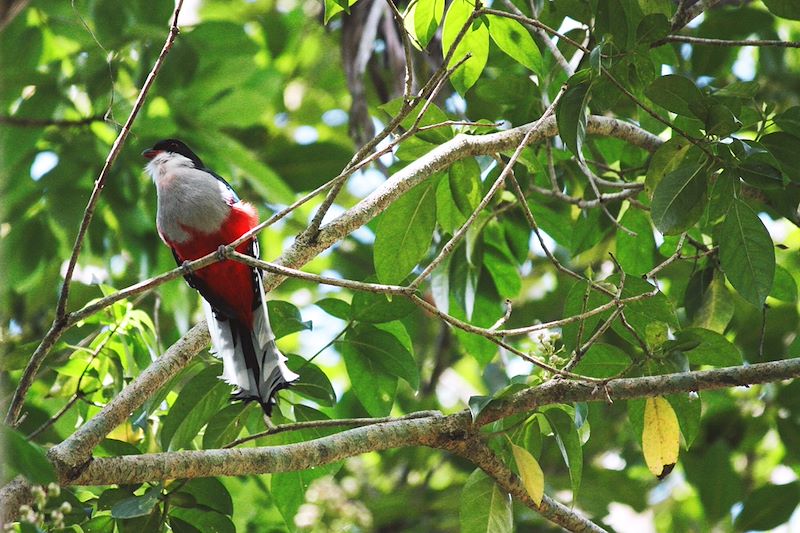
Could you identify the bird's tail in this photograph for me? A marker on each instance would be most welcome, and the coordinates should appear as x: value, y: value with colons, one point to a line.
x: 250, y: 358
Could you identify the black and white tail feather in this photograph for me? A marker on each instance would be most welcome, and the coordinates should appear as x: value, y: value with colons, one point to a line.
x: 251, y: 360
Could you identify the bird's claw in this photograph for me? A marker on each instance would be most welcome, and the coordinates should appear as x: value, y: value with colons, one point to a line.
x: 223, y: 252
x: 186, y: 268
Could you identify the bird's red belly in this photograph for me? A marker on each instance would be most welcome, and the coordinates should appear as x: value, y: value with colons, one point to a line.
x: 230, y: 281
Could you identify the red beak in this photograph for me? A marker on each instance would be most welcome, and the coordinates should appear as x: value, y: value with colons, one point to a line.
x: 150, y: 154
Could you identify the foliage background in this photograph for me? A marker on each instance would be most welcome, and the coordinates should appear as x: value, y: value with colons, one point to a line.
x: 272, y: 98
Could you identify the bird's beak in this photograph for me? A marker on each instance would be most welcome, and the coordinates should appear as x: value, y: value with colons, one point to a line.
x: 150, y: 154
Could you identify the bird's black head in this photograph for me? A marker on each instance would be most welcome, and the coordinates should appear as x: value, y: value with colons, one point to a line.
x: 173, y: 146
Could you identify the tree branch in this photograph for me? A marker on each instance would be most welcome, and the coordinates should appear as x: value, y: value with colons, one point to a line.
x: 479, y: 454
x: 76, y: 449
x: 726, y: 42
x: 432, y: 430
x: 687, y: 13
x: 444, y: 432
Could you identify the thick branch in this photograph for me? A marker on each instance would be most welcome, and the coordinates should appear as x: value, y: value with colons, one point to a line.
x: 439, y: 158
x: 477, y: 452
x: 77, y: 449
x: 433, y: 431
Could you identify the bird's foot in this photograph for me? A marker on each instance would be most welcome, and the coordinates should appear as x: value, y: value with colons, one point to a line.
x: 186, y: 268
x: 223, y: 252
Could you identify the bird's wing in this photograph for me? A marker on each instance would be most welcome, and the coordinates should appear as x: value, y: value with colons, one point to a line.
x: 224, y: 181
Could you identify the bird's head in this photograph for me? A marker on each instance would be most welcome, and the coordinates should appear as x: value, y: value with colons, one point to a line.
x: 170, y: 153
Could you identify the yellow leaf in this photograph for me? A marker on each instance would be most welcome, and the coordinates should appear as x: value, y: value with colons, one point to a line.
x: 126, y: 433
x: 661, y: 436
x: 530, y: 472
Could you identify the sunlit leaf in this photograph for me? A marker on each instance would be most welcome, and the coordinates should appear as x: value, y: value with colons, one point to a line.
x: 660, y: 437
x: 530, y: 472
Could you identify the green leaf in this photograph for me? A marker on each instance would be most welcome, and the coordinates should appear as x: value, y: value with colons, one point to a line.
x: 404, y: 233
x: 21, y: 456
x: 768, y: 507
x: 747, y: 254
x: 512, y: 38
x: 464, y: 177
x: 679, y: 199
x: 787, y: 9
x: 569, y: 442
x: 203, y: 520
x: 427, y: 17
x: 636, y: 254
x: 285, y: 318
x: 448, y: 214
x: 335, y: 307
x: 785, y: 148
x: 100, y: 523
x: 334, y: 7
x: 485, y: 507
x: 784, y: 287
x: 789, y: 120
x: 288, y: 490
x: 652, y: 28
x: 235, y: 108
x: 717, y: 307
x: 603, y: 361
x: 374, y: 387
x: 475, y: 43
x: 611, y: 19
x: 714, y: 349
x: 743, y: 90
x: 667, y: 158
x: 137, y: 505
x: 712, y: 474
x: 721, y: 121
x: 225, y: 426
x: 197, y: 401
x: 210, y: 492
x: 386, y: 350
x: 504, y: 272
x: 313, y: 382
x: 571, y: 111
x: 375, y: 308
x: 678, y: 94
x: 688, y: 410
x: 478, y: 404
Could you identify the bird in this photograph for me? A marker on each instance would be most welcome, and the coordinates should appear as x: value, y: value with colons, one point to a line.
x: 198, y: 212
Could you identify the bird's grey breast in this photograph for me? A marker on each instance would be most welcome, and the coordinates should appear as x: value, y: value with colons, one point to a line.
x: 190, y: 198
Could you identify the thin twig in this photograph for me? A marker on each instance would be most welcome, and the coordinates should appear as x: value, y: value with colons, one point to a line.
x: 459, y: 234
x: 503, y: 319
x: 671, y: 259
x: 591, y: 178
x: 248, y: 260
x: 408, y: 82
x: 725, y: 42
x: 44, y: 122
